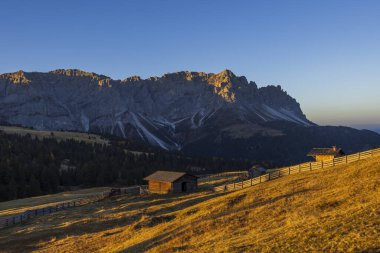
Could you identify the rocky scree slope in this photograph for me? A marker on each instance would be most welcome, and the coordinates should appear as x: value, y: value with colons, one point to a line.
x: 178, y: 111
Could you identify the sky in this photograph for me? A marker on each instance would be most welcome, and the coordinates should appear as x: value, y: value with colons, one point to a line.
x: 326, y: 54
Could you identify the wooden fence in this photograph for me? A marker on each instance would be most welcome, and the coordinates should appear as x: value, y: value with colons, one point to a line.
x: 222, y: 174
x: 15, y: 219
x: 286, y: 171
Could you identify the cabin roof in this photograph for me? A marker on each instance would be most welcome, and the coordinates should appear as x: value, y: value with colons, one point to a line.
x: 325, y: 151
x: 167, y: 176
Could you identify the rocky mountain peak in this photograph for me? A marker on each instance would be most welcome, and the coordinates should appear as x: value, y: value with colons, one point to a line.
x: 186, y: 75
x: 132, y: 79
x: 215, y: 114
x: 228, y: 78
x: 18, y: 77
x: 226, y: 83
x: 77, y: 73
x: 226, y: 73
x: 168, y: 111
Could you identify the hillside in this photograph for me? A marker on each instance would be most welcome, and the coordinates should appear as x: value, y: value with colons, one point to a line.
x: 31, y: 166
x: 58, y: 135
x: 18, y: 206
x: 332, y: 210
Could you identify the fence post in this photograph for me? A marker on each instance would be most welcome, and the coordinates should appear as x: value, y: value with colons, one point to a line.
x: 234, y: 185
x: 310, y: 165
x: 14, y: 220
x: 322, y: 164
x: 289, y: 170
x: 333, y: 162
x: 346, y: 160
x: 299, y: 167
x: 359, y: 156
x: 251, y: 181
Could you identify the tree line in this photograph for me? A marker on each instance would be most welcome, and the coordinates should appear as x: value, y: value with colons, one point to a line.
x: 30, y: 166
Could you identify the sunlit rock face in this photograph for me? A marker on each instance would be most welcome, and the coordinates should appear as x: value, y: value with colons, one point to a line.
x: 168, y: 111
x: 199, y: 113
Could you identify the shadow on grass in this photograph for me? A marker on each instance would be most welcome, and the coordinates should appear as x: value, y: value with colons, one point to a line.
x: 165, y: 237
x: 29, y: 233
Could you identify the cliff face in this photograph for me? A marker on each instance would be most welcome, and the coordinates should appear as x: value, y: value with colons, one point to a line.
x: 200, y: 113
x: 166, y: 111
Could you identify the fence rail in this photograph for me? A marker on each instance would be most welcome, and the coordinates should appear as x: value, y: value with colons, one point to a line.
x: 15, y: 219
x: 286, y: 171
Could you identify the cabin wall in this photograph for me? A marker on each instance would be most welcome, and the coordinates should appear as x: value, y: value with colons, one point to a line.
x: 319, y: 158
x: 191, y: 184
x: 159, y: 187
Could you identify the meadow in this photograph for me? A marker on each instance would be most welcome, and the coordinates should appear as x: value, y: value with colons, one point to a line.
x: 59, y: 135
x: 19, y: 206
x: 330, y: 210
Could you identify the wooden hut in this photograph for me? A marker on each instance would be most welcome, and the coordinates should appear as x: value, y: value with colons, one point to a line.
x: 323, y: 154
x: 171, y: 181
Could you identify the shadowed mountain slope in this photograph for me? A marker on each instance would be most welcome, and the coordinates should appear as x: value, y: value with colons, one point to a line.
x: 178, y: 111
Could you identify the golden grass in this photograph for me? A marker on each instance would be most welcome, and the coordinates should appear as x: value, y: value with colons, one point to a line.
x: 18, y: 206
x: 331, y: 210
x: 222, y: 178
x: 59, y: 135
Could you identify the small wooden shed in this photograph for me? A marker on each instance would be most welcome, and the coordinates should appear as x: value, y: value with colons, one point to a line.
x: 323, y: 154
x: 171, y: 181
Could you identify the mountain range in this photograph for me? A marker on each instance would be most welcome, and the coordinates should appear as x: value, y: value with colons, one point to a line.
x: 195, y: 112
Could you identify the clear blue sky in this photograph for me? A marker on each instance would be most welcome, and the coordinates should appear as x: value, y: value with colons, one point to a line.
x: 324, y: 53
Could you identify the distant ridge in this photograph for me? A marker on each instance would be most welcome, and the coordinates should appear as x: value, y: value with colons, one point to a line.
x: 205, y: 113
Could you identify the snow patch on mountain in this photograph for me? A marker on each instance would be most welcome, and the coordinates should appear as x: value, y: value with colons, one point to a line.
x: 151, y: 137
x: 121, y: 127
x: 283, y: 114
x: 85, y: 122
x: 169, y: 111
x: 294, y: 116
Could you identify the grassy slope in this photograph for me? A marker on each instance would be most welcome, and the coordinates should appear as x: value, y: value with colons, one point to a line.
x: 59, y: 135
x: 18, y: 206
x: 222, y: 178
x: 335, y: 210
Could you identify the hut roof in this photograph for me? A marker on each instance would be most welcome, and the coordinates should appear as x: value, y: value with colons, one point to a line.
x: 325, y: 151
x: 166, y: 176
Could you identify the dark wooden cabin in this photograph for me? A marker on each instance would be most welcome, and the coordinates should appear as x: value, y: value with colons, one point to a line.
x: 323, y: 154
x: 171, y: 181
